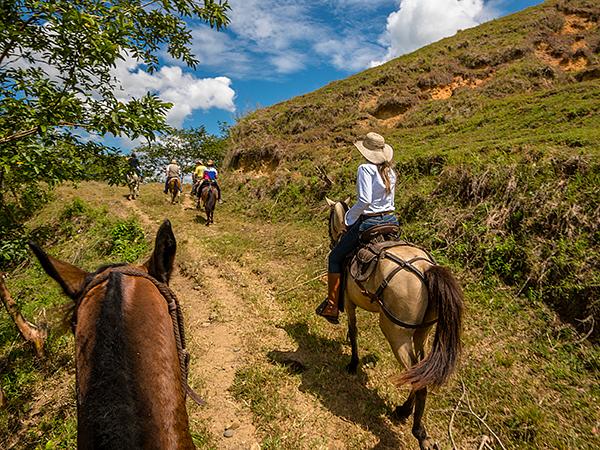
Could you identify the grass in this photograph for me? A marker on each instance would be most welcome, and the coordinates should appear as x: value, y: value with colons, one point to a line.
x: 524, y: 370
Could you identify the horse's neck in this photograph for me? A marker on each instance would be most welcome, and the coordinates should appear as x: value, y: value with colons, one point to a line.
x: 339, y: 223
x: 129, y: 380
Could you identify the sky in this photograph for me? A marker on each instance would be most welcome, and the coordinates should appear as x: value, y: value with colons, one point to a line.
x: 274, y: 50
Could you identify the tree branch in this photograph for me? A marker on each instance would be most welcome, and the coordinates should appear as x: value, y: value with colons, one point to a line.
x: 25, y: 133
x: 29, y: 332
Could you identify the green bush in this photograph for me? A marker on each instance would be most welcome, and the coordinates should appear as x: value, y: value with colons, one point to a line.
x: 128, y: 240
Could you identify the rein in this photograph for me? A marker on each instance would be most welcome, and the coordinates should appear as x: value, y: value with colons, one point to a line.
x: 174, y: 312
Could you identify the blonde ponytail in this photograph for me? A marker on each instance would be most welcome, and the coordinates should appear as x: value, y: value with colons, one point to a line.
x: 385, y: 169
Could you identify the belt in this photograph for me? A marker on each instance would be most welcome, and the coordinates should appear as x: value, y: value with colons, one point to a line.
x: 379, y: 214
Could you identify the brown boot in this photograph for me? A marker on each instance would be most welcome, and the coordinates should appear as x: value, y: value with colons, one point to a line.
x: 329, y: 308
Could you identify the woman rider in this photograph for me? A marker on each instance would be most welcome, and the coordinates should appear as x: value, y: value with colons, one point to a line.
x: 374, y: 206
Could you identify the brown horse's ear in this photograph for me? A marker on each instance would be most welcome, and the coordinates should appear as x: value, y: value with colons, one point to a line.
x: 70, y: 278
x: 160, y: 264
x: 329, y: 201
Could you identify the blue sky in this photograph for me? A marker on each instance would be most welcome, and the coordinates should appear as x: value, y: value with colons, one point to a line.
x: 274, y: 50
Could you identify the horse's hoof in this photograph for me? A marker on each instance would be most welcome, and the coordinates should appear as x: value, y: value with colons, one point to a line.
x: 428, y: 444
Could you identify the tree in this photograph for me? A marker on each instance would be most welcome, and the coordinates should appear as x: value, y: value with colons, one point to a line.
x: 57, y: 88
x: 186, y: 146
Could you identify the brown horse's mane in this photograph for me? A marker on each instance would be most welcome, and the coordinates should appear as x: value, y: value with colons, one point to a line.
x: 108, y: 406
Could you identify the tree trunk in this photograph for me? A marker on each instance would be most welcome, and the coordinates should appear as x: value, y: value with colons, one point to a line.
x: 29, y: 332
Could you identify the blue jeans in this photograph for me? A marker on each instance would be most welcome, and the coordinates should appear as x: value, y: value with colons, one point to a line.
x: 349, y: 241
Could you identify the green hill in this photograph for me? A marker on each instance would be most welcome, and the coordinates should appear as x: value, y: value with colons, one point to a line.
x: 496, y: 133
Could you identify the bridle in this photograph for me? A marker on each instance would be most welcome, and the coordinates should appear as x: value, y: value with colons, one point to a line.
x: 174, y: 311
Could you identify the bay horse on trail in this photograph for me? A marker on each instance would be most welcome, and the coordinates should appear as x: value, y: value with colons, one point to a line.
x: 410, y: 292
x: 130, y: 351
x: 174, y: 188
x: 209, y: 196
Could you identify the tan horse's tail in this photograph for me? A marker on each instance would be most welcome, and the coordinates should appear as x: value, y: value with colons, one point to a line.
x: 446, y: 294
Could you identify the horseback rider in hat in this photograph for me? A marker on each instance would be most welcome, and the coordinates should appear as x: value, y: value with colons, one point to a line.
x: 173, y: 171
x: 374, y: 206
x: 210, y: 176
x: 197, y: 177
x: 134, y: 165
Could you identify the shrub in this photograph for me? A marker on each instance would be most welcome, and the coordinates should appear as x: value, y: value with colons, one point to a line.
x: 128, y: 240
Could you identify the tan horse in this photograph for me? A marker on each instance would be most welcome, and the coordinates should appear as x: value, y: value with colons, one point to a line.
x: 130, y: 352
x: 409, y: 306
x: 174, y: 187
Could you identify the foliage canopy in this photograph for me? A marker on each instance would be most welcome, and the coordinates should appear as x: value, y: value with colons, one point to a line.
x: 57, y: 88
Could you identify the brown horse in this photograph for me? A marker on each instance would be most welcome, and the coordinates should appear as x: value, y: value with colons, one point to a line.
x: 209, y: 196
x: 408, y: 305
x: 174, y: 188
x: 130, y: 377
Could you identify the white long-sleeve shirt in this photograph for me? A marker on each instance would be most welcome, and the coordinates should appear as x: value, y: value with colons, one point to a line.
x: 370, y: 193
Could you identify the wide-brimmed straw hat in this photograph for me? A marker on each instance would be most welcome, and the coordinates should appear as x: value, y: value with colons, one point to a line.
x: 210, y: 162
x: 374, y: 148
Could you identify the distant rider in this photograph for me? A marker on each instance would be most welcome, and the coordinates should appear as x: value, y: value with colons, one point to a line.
x: 173, y: 171
x: 210, y: 176
x: 134, y: 165
x: 198, y: 176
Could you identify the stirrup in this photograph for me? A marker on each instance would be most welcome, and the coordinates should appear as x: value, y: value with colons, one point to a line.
x: 334, y: 319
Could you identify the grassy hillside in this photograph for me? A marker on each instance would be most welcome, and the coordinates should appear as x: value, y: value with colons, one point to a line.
x: 497, y: 139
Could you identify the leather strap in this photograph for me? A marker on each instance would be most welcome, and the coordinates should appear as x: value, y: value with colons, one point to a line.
x: 379, y: 214
x: 378, y: 295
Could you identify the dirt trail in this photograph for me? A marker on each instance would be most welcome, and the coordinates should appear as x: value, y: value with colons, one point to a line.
x: 236, y: 329
x: 212, y: 311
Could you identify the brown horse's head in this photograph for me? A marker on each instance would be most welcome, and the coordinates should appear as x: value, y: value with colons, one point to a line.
x: 129, y: 393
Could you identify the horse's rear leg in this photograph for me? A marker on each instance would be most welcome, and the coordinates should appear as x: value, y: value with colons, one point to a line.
x: 352, y: 336
x: 404, y: 411
x: 418, y: 429
x: 401, y: 343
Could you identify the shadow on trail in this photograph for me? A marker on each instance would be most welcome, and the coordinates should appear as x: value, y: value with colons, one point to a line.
x: 322, y: 366
x: 200, y: 219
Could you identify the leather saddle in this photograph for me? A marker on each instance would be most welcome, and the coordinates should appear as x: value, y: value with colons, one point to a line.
x: 373, y: 242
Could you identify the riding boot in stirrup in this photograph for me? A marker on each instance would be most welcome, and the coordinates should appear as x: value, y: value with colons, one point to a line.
x: 329, y: 308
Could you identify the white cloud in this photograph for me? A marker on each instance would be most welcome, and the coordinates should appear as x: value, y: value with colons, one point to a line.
x: 274, y: 31
x: 421, y: 22
x: 267, y: 38
x: 218, y: 50
x: 350, y: 53
x: 171, y: 84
